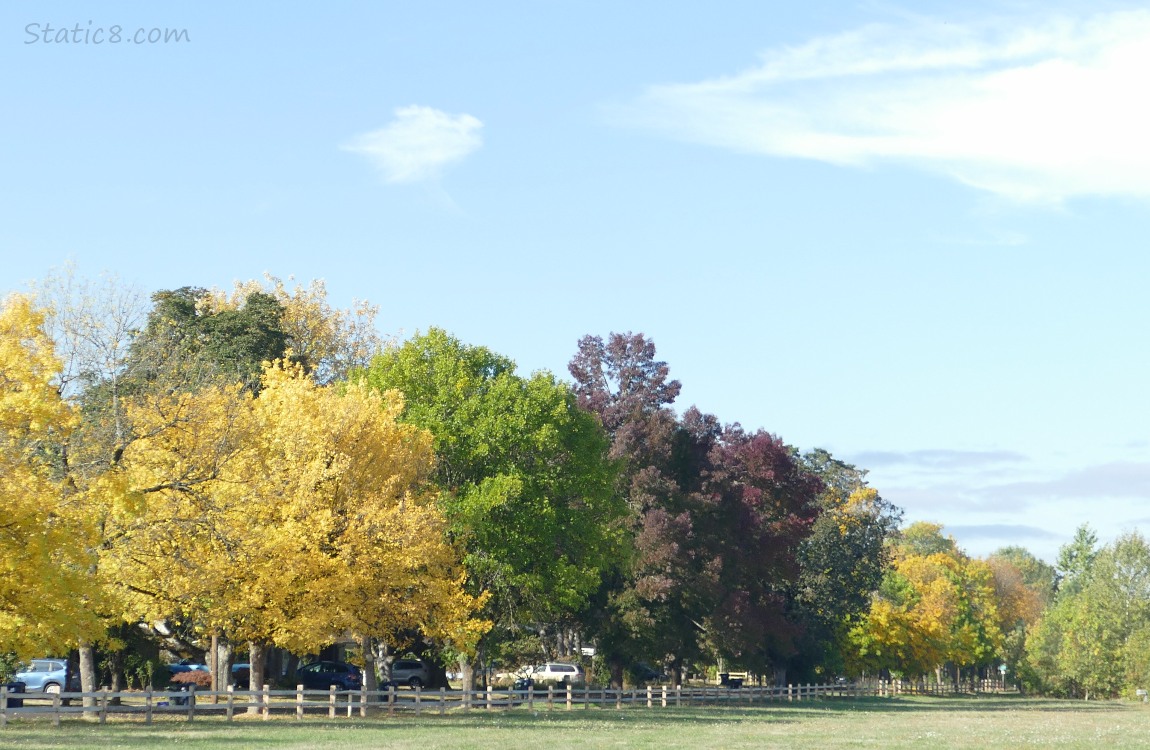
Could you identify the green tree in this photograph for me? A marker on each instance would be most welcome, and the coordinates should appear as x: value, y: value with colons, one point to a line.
x: 1088, y: 644
x: 841, y: 563
x: 186, y: 343
x: 525, y: 481
x: 1076, y: 559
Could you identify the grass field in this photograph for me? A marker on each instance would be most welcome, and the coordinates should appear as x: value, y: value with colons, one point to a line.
x: 888, y: 723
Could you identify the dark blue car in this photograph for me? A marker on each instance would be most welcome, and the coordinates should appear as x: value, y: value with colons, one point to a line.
x: 321, y: 675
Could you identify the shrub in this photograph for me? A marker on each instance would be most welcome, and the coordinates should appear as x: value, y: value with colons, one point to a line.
x: 197, y: 677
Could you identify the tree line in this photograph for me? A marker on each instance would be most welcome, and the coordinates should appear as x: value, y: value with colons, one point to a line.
x: 262, y: 468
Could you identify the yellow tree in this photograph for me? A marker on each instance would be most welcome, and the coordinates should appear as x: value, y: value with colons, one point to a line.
x: 45, y: 542
x: 935, y: 607
x: 292, y: 518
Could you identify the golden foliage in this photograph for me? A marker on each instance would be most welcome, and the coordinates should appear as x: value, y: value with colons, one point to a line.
x: 328, y: 341
x: 44, y: 535
x: 294, y: 517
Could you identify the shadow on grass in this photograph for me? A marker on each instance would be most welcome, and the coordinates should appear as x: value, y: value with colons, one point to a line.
x: 251, y: 732
x: 798, y: 711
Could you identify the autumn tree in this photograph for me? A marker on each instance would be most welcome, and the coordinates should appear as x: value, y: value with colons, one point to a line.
x: 115, y: 350
x: 93, y: 323
x: 760, y: 506
x: 717, y: 515
x: 1024, y: 587
x: 44, y: 535
x: 935, y: 607
x: 627, y: 388
x: 288, y: 518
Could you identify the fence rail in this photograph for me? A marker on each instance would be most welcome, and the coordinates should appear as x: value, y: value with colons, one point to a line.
x: 333, y: 703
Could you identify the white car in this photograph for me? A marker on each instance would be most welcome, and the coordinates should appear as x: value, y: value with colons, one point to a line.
x: 561, y: 674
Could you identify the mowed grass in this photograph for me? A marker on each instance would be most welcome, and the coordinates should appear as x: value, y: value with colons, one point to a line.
x: 887, y: 723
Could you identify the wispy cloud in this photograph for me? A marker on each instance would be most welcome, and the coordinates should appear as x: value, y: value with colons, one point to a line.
x: 1034, y: 112
x: 1012, y: 533
x: 418, y: 143
x: 940, y: 458
x: 1119, y: 479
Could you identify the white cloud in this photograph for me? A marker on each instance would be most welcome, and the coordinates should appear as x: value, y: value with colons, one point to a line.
x: 939, y: 458
x: 1035, y: 113
x: 418, y: 143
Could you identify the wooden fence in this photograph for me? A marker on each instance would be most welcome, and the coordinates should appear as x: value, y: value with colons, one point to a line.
x: 333, y: 703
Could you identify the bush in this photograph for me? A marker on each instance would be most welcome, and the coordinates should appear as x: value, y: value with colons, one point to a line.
x: 197, y: 677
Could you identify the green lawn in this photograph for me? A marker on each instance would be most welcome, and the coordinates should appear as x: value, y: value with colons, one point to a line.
x: 887, y: 723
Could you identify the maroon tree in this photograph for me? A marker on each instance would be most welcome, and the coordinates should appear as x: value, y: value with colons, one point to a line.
x: 760, y: 505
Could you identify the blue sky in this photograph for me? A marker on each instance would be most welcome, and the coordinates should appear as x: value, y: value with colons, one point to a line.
x: 908, y: 234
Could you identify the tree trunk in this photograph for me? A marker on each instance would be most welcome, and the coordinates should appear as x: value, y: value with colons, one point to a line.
x: 367, y: 648
x: 118, y: 680
x: 224, y: 662
x: 214, y: 663
x: 256, y: 653
x: 467, y: 671
x: 88, y: 675
x: 615, y: 668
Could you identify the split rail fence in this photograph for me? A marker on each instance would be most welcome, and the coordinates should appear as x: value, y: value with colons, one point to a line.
x: 333, y: 703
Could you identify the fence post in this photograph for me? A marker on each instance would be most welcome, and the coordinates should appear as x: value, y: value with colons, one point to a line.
x: 664, y: 701
x: 104, y: 706
x: 299, y: 702
x: 648, y: 696
x: 678, y: 696
x: 231, y: 702
x: 551, y: 697
x: 191, y: 701
x: 331, y: 702
x: 618, y: 699
x: 442, y: 701
x: 531, y: 696
x: 3, y: 705
x: 487, y: 699
x: 586, y: 697
x: 569, y: 696
x: 418, y: 697
x: 391, y: 700
x: 363, y: 701
x: 267, y: 701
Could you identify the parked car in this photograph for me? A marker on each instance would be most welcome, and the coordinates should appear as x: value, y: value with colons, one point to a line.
x: 186, y: 665
x: 411, y: 672
x: 49, y: 676
x: 644, y: 672
x: 321, y: 675
x: 563, y: 674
